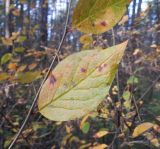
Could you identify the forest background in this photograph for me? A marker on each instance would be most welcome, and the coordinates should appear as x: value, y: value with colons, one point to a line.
x: 30, y: 32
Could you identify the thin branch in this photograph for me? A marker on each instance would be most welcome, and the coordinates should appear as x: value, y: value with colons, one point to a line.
x: 133, y: 142
x: 46, y: 76
x: 141, y: 98
x: 114, y: 139
x: 149, y: 88
x: 136, y: 106
x: 118, y: 85
x: 117, y: 75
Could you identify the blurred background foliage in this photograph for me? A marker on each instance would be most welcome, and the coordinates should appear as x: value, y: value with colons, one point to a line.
x: 30, y: 31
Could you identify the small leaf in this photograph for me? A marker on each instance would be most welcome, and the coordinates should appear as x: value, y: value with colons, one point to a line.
x: 152, y: 138
x: 15, y: 35
x: 86, y: 39
x: 127, y: 98
x: 98, y: 16
x: 27, y: 77
x: 156, y: 128
x: 5, y: 58
x: 19, y: 49
x: 21, y: 39
x: 4, y: 76
x: 21, y: 68
x: 23, y: 1
x: 100, y: 146
x: 12, y: 66
x: 85, y: 127
x: 126, y: 95
x: 155, y: 142
x: 137, y: 51
x: 79, y: 83
x: 68, y: 129
x: 7, y: 41
x: 133, y: 80
x: 16, y: 12
x: 100, y: 134
x: 142, y: 128
x: 153, y: 46
x: 32, y: 66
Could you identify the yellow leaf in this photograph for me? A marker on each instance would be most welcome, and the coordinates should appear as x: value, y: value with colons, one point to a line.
x: 21, y: 68
x: 16, y: 12
x: 98, y: 16
x: 152, y: 138
x: 85, y: 146
x: 19, y: 49
x: 142, y: 128
x: 100, y: 146
x: 7, y: 41
x: 79, y: 83
x: 100, y: 134
x: 27, y: 77
x: 68, y: 129
x: 155, y: 142
x: 32, y: 66
x: 137, y: 52
x: 4, y: 76
x: 12, y: 66
x: 15, y: 35
x: 153, y: 46
x: 86, y: 39
x: 66, y: 138
x: 156, y: 128
x: 23, y: 1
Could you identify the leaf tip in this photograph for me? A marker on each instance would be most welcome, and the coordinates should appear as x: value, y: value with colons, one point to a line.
x: 125, y: 43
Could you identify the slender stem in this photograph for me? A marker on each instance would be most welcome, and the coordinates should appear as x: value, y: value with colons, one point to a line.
x: 46, y: 76
x: 133, y: 142
x: 113, y: 37
x: 149, y: 88
x: 117, y: 75
x: 136, y: 106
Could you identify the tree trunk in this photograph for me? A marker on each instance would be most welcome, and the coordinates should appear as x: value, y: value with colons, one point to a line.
x: 7, y: 12
x: 44, y: 22
x: 133, y: 11
x: 29, y: 21
x: 139, y: 7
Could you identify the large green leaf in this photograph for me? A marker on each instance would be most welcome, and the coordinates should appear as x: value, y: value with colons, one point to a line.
x: 79, y: 83
x: 98, y: 16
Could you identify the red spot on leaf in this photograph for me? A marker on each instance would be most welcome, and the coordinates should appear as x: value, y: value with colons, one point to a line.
x: 100, y: 68
x: 83, y: 70
x: 52, y: 80
x: 105, y: 65
x: 103, y: 23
